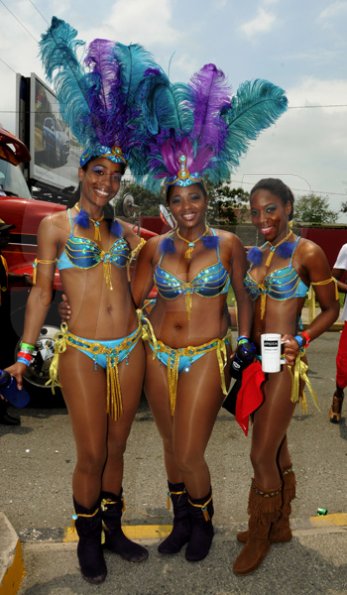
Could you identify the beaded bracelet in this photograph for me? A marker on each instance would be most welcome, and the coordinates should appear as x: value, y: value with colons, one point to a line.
x: 242, y: 339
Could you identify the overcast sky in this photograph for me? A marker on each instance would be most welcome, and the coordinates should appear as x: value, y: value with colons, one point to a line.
x: 300, y: 45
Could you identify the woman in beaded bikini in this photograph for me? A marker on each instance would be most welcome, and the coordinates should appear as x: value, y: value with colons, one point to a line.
x: 101, y: 355
x: 192, y: 267
x: 278, y: 280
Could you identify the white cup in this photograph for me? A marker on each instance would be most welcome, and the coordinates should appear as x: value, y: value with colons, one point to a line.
x: 271, y: 352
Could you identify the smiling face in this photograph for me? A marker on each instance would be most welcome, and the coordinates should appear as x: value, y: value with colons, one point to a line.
x: 100, y: 181
x: 188, y: 205
x: 270, y: 214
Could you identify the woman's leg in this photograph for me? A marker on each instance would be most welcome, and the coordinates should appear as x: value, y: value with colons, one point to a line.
x: 131, y: 376
x: 84, y: 390
x: 269, y: 448
x: 199, y: 398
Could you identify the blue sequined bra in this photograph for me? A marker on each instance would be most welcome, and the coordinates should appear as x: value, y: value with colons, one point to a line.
x: 209, y: 282
x: 84, y: 253
x: 280, y: 284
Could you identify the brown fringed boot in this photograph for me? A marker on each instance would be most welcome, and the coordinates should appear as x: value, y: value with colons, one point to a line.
x: 280, y: 531
x: 264, y: 509
x: 201, y: 513
x: 336, y: 406
x: 89, y: 549
x: 115, y: 540
x: 180, y: 533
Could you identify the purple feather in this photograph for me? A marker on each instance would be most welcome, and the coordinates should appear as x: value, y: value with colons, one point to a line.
x: 286, y: 249
x: 82, y: 219
x: 117, y: 229
x: 210, y: 93
x: 210, y: 241
x: 167, y: 246
x: 255, y: 256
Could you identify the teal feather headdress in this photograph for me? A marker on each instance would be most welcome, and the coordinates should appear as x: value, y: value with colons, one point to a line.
x: 204, y: 131
x: 98, y: 95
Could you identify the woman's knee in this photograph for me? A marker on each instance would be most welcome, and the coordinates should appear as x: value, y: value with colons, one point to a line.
x: 90, y: 463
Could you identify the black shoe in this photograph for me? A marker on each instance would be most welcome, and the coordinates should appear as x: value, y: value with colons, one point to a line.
x: 6, y: 419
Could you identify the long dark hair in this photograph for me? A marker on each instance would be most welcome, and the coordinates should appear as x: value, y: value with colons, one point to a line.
x: 278, y: 188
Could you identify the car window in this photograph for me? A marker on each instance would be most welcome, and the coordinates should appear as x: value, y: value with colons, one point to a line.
x: 12, y: 180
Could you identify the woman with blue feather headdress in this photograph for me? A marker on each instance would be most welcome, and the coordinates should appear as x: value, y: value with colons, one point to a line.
x: 100, y: 355
x: 198, y: 132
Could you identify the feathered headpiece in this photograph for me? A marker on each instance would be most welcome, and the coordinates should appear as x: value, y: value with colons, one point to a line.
x: 98, y: 96
x: 199, y: 130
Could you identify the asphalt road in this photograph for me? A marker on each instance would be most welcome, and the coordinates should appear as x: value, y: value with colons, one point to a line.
x: 37, y: 460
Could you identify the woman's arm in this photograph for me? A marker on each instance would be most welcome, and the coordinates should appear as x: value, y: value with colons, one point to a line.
x: 243, y: 301
x: 41, y: 293
x: 142, y: 280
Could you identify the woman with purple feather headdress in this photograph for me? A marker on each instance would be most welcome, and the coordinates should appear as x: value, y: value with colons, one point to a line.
x: 199, y: 131
x: 100, y: 355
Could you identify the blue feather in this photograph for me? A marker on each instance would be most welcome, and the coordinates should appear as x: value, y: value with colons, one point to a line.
x: 286, y: 249
x: 256, y: 105
x: 255, y: 256
x: 117, y: 229
x: 58, y: 50
x: 82, y: 219
x: 167, y: 246
x: 210, y: 241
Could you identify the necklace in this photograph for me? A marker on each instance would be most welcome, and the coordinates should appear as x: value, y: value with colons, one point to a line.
x: 191, y: 244
x: 273, y: 248
x: 83, y: 218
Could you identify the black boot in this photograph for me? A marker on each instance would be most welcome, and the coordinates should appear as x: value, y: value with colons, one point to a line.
x: 115, y: 540
x: 201, y: 513
x: 89, y: 549
x: 180, y: 533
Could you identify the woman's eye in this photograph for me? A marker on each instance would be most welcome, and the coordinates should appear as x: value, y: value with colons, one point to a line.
x: 98, y: 171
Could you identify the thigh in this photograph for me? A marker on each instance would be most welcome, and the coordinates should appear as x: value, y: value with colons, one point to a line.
x: 84, y: 391
x: 199, y: 398
x: 131, y: 374
x: 157, y: 394
x: 272, y: 419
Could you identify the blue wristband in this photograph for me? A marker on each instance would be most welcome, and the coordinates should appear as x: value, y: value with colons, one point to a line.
x: 23, y: 361
x: 300, y: 341
x: 242, y: 339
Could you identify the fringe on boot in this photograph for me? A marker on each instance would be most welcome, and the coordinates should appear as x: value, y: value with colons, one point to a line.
x: 280, y: 531
x: 181, y: 528
x: 264, y: 507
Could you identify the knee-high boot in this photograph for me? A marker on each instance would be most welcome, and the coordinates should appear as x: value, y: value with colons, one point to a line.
x: 280, y: 531
x: 264, y: 509
x: 89, y: 549
x: 115, y: 540
x: 180, y: 533
x: 201, y: 513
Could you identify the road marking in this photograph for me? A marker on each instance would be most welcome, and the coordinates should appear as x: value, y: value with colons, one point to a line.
x: 338, y: 518
x: 131, y: 531
x: 14, y: 574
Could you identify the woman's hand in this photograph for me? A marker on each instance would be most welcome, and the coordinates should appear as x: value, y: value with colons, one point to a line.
x: 17, y: 370
x: 64, y: 309
x: 290, y: 349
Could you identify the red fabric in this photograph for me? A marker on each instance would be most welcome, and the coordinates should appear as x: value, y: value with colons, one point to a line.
x: 341, y: 359
x: 250, y: 395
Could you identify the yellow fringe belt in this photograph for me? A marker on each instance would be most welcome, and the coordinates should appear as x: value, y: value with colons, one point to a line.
x: 218, y: 345
x: 299, y: 373
x: 114, y: 396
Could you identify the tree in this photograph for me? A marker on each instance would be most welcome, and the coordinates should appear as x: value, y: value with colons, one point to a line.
x: 314, y: 209
x: 227, y: 206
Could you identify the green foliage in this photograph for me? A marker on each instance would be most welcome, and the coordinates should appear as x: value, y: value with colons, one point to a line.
x: 314, y: 209
x: 227, y: 206
x: 147, y: 201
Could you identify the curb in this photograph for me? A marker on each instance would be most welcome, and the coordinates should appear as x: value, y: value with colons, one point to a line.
x: 11, y: 558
